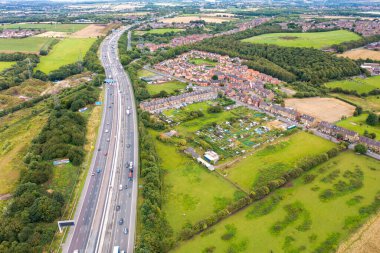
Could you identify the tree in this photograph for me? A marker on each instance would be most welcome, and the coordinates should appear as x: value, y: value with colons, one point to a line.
x: 372, y: 119
x: 360, y: 148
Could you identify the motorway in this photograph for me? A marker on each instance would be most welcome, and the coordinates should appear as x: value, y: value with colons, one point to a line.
x: 98, y: 226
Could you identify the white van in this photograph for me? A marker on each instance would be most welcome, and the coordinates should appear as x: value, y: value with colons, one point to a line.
x: 120, y: 187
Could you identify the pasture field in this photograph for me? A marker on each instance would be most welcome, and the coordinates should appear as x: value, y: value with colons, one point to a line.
x: 359, y: 125
x: 361, y: 53
x: 309, y: 39
x: 361, y: 85
x: 289, y: 220
x: 272, y: 161
x: 169, y: 87
x: 370, y: 103
x: 327, y: 109
x: 16, y: 133
x: 25, y: 45
x: 69, y: 28
x: 191, y: 191
x: 144, y: 73
x: 6, y: 64
x: 67, y: 51
x: 164, y: 30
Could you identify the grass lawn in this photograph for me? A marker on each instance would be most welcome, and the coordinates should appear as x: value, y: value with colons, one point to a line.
x: 144, y: 73
x: 295, y: 218
x: 359, y: 125
x: 361, y: 85
x: 26, y: 45
x: 309, y: 39
x: 16, y: 133
x: 6, y: 64
x: 169, y: 87
x: 192, y: 192
x: 198, y: 61
x: 370, y: 103
x: 164, y: 30
x: 65, y: 52
x: 272, y: 161
x: 48, y: 27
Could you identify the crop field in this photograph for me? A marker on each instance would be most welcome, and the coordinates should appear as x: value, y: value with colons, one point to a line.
x: 359, y: 125
x: 370, y: 103
x: 16, y: 132
x: 327, y: 109
x: 272, y: 161
x: 25, y: 45
x: 361, y: 53
x: 65, y: 52
x: 169, y: 87
x: 6, y: 64
x: 361, y: 85
x: 164, y: 30
x: 70, y: 28
x: 192, y: 192
x: 312, y: 39
x: 343, y: 192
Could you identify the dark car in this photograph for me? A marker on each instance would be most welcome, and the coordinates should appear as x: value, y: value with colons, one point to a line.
x: 105, y: 154
x: 117, y: 207
x: 128, y: 145
x: 121, y: 221
x: 98, y: 170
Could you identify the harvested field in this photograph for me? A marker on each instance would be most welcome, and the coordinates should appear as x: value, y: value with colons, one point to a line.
x: 91, y: 31
x: 361, y: 53
x: 327, y: 109
x: 365, y: 240
x: 187, y: 19
x: 52, y: 34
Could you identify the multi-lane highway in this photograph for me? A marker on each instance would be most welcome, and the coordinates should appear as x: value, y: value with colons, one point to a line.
x: 106, y: 212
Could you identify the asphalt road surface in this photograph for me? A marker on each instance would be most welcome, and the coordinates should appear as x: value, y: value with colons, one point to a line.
x: 103, y: 202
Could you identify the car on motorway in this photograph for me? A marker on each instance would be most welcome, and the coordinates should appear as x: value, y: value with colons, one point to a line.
x: 120, y: 187
x: 117, y: 207
x: 126, y: 186
x: 128, y: 145
x: 121, y: 221
x: 108, y: 140
x: 105, y: 154
x: 125, y: 231
x: 93, y: 173
x: 106, y: 131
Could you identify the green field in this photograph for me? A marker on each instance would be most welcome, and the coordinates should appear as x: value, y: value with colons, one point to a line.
x: 6, y: 64
x: 299, y: 218
x: 65, y: 52
x: 164, y: 30
x: 312, y: 39
x: 144, y: 73
x: 361, y: 85
x: 198, y: 61
x: 25, y: 45
x: 196, y: 124
x: 47, y: 27
x: 271, y: 162
x: 192, y: 192
x: 359, y: 125
x: 169, y: 87
x: 370, y: 103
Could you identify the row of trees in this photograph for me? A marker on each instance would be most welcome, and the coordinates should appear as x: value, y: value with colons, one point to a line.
x: 344, y: 46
